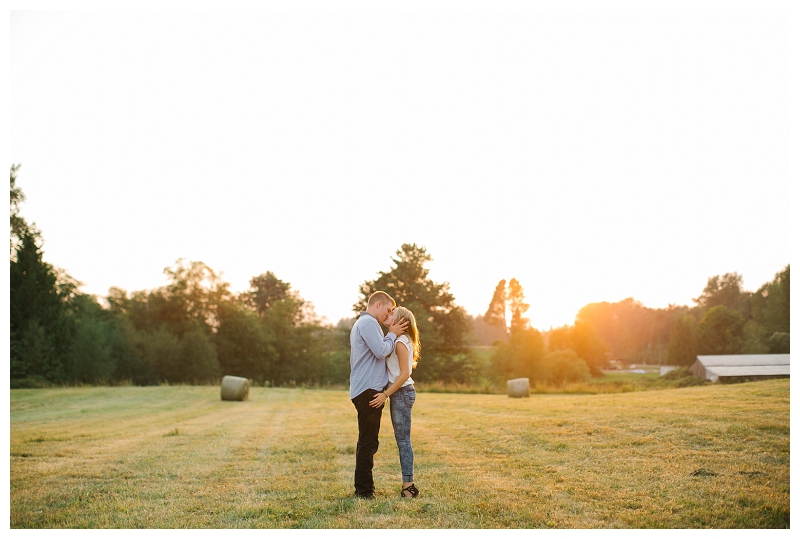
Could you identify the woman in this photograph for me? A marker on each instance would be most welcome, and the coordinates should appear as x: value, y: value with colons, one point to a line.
x: 401, y: 389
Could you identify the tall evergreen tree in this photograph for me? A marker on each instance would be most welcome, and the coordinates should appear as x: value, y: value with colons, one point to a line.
x: 18, y: 224
x: 36, y: 314
x: 496, y: 313
x: 517, y: 306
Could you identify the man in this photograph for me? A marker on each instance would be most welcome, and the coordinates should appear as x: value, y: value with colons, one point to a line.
x: 368, y: 377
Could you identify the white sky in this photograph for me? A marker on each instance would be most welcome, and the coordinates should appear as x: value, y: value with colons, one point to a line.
x: 594, y: 156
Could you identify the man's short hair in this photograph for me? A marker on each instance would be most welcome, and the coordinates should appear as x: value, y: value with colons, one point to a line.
x: 383, y: 297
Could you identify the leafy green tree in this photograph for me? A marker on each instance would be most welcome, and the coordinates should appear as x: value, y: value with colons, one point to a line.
x: 295, y: 340
x: 631, y: 331
x: 521, y: 357
x: 777, y: 303
x: 583, y: 339
x: 286, y: 343
x: 755, y: 338
x: 97, y: 342
x: 127, y: 314
x: 565, y: 366
x: 443, y: 326
x: 559, y: 338
x: 682, y: 349
x: 335, y: 354
x: 589, y: 347
x: 194, y: 295
x: 245, y: 345
x: 197, y: 359
x: 723, y: 290
x: 128, y: 365
x: 90, y: 352
x: 268, y: 334
x: 721, y: 331
x: 524, y: 356
x: 148, y: 310
x: 160, y: 351
x: 154, y: 323
x: 778, y: 343
x: 265, y: 290
x: 167, y: 323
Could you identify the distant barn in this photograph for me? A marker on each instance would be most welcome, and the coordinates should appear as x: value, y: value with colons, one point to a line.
x: 740, y: 368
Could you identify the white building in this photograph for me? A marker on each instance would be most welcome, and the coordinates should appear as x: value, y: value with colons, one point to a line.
x: 741, y: 367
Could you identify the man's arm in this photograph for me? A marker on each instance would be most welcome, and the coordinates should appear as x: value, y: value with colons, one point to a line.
x: 379, y: 345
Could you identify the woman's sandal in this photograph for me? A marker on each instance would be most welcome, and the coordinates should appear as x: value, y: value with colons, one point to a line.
x: 411, y: 490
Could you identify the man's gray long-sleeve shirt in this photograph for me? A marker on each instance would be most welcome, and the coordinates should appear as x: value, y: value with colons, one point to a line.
x: 368, y: 351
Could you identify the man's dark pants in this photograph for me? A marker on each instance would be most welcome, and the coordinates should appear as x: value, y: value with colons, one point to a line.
x: 369, y: 424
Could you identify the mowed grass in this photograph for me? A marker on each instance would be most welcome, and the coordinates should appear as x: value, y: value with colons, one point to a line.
x: 178, y: 457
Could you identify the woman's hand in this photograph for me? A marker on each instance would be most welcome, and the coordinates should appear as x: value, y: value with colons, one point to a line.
x: 379, y: 399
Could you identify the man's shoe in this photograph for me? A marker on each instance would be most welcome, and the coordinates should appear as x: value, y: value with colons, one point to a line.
x: 368, y: 496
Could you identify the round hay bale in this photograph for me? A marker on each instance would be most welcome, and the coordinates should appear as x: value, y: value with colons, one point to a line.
x: 519, y: 387
x: 235, y: 388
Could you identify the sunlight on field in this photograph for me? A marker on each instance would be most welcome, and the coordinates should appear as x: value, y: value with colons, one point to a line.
x: 174, y: 457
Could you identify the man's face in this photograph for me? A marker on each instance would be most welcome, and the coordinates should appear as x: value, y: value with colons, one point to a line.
x: 383, y: 312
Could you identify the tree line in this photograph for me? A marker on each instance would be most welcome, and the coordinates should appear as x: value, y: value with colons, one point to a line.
x: 195, y: 329
x: 730, y: 320
x: 726, y: 319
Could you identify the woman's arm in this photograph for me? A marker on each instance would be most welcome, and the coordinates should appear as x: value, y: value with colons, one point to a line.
x: 405, y: 372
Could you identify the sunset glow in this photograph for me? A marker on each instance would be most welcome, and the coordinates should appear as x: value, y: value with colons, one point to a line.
x: 593, y: 156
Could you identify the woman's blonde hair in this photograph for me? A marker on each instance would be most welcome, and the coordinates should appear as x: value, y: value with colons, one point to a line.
x: 401, y: 313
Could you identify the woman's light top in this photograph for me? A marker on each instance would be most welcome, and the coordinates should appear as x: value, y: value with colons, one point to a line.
x: 393, y: 367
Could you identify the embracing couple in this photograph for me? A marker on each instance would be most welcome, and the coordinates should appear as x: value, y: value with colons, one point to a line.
x: 380, y: 367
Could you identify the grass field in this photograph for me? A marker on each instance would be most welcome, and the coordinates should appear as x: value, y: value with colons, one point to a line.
x: 176, y: 457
